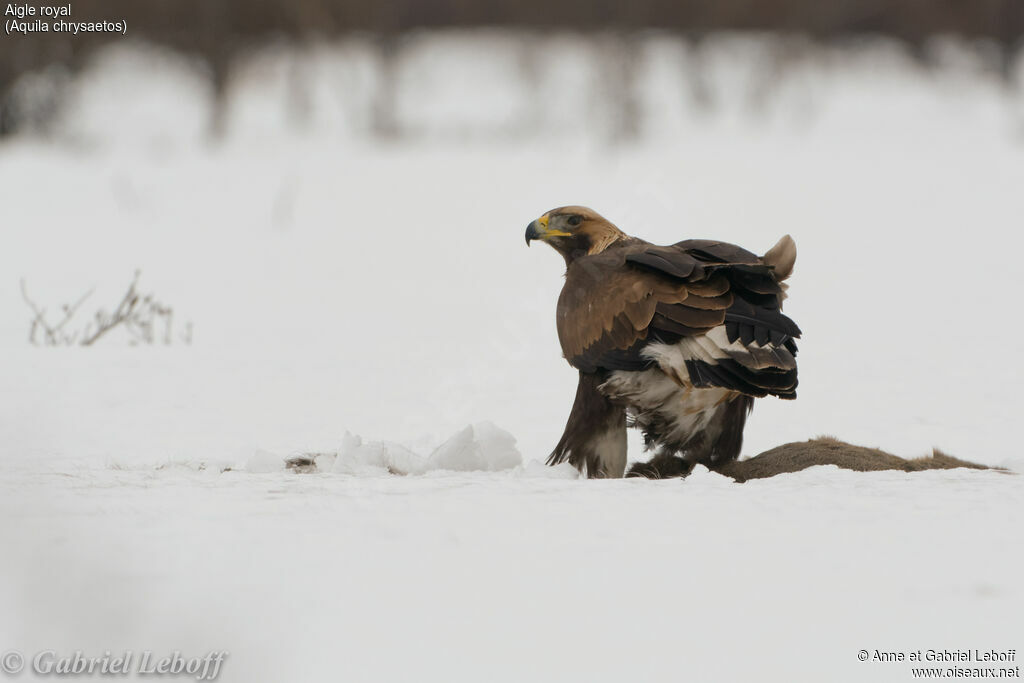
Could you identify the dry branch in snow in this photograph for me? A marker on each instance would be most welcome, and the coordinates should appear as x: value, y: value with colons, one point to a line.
x: 142, y: 316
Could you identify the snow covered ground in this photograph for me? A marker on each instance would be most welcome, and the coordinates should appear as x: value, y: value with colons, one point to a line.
x: 339, y: 285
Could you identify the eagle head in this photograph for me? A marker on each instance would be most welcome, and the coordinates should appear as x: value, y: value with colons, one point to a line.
x: 574, y: 231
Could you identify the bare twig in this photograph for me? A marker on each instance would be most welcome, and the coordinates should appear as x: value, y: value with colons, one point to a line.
x: 105, y: 322
x: 140, y: 315
x: 40, y: 320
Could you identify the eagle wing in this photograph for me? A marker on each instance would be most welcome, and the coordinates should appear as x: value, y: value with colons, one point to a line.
x: 719, y: 303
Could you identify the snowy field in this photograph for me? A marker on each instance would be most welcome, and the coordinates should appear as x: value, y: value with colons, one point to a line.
x: 338, y: 287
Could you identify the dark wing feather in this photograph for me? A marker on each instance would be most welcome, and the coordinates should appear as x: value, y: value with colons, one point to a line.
x: 666, y: 260
x: 765, y: 322
x: 697, y: 318
x: 711, y: 251
x: 615, y: 302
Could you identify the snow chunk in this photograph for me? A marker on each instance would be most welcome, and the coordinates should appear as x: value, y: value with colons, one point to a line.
x: 376, y: 457
x: 480, y: 447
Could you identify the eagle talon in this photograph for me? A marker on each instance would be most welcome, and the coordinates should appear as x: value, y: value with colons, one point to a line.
x: 663, y: 466
x: 642, y: 470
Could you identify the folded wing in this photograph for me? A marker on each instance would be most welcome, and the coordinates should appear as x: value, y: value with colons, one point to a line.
x: 709, y: 313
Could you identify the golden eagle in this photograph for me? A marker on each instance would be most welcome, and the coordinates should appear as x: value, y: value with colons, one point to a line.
x: 676, y: 340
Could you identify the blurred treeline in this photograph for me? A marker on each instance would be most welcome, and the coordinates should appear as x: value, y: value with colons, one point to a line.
x: 218, y: 30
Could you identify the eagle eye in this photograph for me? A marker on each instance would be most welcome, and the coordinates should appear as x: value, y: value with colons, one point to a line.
x: 574, y: 220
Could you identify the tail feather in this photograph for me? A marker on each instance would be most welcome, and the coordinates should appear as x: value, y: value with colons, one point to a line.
x: 781, y: 257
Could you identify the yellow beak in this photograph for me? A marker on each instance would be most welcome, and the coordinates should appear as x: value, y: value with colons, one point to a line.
x: 538, y: 230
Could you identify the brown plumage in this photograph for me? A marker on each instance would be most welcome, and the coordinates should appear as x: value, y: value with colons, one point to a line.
x: 679, y: 338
